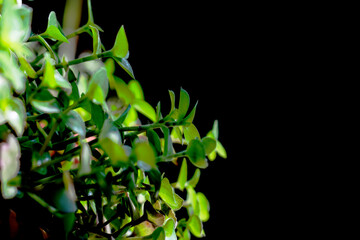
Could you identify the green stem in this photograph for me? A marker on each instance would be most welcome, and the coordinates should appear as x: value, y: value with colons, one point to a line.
x: 146, y: 127
x: 45, y: 44
x: 169, y: 158
x: 45, y: 204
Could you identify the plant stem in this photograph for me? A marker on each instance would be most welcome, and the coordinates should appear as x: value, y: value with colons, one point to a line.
x: 145, y: 127
x: 45, y: 44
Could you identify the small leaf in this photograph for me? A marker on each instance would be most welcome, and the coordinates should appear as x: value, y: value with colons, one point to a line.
x: 154, y: 139
x: 52, y: 78
x: 189, y: 118
x: 182, y: 175
x: 74, y: 121
x: 183, y: 103
x: 121, y: 46
x: 96, y: 40
x: 25, y: 66
x: 196, y: 153
x: 125, y: 65
x: 136, y: 89
x: 145, y: 156
x: 169, y: 228
x: 209, y: 144
x: 123, y: 91
x: 53, y: 29
x: 98, y: 87
x: 85, y: 159
x: 221, y: 150
x: 195, y: 226
x: 15, y: 115
x: 195, y: 179
x: 168, y: 146
x: 169, y: 196
x: 204, y: 207
x: 10, y: 165
x: 44, y: 102
x: 190, y: 133
x: 145, y: 108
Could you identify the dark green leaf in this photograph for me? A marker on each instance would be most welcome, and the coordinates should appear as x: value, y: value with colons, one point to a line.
x: 183, y: 103
x: 74, y: 121
x: 45, y: 102
x: 85, y: 159
x: 125, y: 65
x: 64, y: 201
x: 97, y: 115
x: 196, y: 153
x: 154, y: 139
x: 209, y: 144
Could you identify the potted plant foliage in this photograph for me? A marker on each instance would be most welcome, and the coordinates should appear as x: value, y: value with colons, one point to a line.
x: 81, y: 149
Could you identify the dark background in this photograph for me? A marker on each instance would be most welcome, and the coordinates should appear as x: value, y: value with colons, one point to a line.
x: 237, y: 60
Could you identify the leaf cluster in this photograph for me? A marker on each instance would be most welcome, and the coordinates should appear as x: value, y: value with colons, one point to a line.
x: 72, y: 138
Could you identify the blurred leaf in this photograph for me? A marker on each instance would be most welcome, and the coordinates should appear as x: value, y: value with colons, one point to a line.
x: 158, y: 234
x: 183, y: 103
x: 25, y: 66
x: 154, y: 216
x: 10, y: 165
x: 221, y: 150
x: 15, y: 115
x: 85, y: 159
x: 182, y: 178
x: 195, y: 226
x: 189, y: 118
x: 52, y: 78
x: 136, y: 89
x: 168, y: 145
x: 195, y: 178
x: 110, y: 69
x: 37, y: 160
x: 10, y: 70
x: 145, y: 156
x: 196, y: 153
x: 209, y: 144
x: 145, y: 108
x: 121, y: 46
x: 154, y: 139
x: 98, y: 87
x: 53, y: 29
x: 96, y: 40
x: 169, y: 228
x: 204, y: 207
x: 168, y: 194
x: 123, y: 91
x: 125, y: 65
x: 64, y: 201
x: 74, y: 121
x: 190, y: 133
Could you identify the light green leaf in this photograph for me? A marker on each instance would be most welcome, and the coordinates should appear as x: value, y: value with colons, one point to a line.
x: 182, y: 178
x: 136, y: 89
x: 121, y: 46
x: 145, y: 108
x: 196, y: 153
x: 98, y: 87
x: 25, y: 66
x: 195, y: 226
x: 189, y: 118
x: 10, y: 70
x: 190, y: 133
x: 145, y: 156
x: 169, y: 228
x: 168, y: 194
x: 53, y: 29
x: 10, y: 165
x: 85, y: 159
x: 52, y: 78
x: 15, y: 115
x: 204, y: 207
x: 195, y: 178
x: 74, y: 121
x: 123, y: 91
x: 183, y: 103
x: 221, y: 150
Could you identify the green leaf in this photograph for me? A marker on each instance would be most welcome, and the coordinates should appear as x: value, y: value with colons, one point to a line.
x: 195, y: 226
x: 121, y: 46
x: 125, y: 65
x: 25, y: 66
x: 85, y: 159
x: 145, y: 108
x: 145, y: 156
x: 215, y: 129
x: 64, y: 201
x: 136, y: 89
x: 154, y: 139
x: 182, y: 178
x: 168, y: 194
x: 123, y: 91
x: 10, y: 70
x: 45, y: 102
x: 204, y: 207
x: 195, y: 178
x: 74, y: 121
x: 169, y: 228
x: 196, y: 153
x: 209, y: 144
x: 158, y: 234
x: 189, y: 118
x: 10, y: 165
x: 183, y: 103
x: 110, y: 141
x: 98, y: 87
x: 97, y: 115
x: 191, y: 132
x: 52, y: 78
x: 221, y: 150
x: 53, y: 29
x: 15, y: 115
x: 96, y: 40
x: 168, y: 146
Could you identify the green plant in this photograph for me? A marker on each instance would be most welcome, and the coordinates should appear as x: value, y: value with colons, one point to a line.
x: 72, y: 141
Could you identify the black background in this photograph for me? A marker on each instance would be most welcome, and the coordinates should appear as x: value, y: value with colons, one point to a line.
x: 236, y: 59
